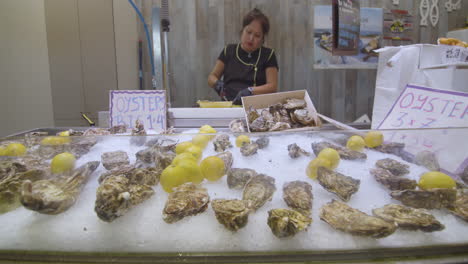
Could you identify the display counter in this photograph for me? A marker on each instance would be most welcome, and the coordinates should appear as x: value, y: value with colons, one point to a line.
x: 142, y: 233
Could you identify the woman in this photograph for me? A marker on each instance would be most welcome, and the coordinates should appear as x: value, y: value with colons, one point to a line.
x: 247, y: 68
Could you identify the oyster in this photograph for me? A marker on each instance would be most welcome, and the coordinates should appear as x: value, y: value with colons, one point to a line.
x: 460, y: 207
x: 295, y: 151
x: 464, y: 175
x: 124, y: 170
x: 409, y: 218
x: 252, y: 114
x: 221, y: 143
x: 34, y: 138
x: 427, y: 159
x: 347, y: 219
x: 237, y: 178
x: 49, y: 151
x: 294, y: 104
x: 138, y: 134
x: 279, y: 126
x: 302, y: 116
x: 262, y: 142
x: 96, y: 132
x: 9, y: 168
x: 162, y: 144
x: 117, y: 195
x: 159, y: 153
x: 233, y: 214
x: 259, y: 125
x: 337, y: 183
x: 259, y: 189
x: 82, y: 145
x: 298, y: 195
x: 114, y: 159
x: 186, y: 200
x: 393, y: 166
x: 391, y: 148
x: 428, y: 199
x: 227, y: 158
x: 287, y: 223
x: 249, y: 149
x: 345, y: 153
x: 391, y: 181
x: 119, y: 129
x: 10, y: 185
x: 237, y: 126
x: 56, y: 195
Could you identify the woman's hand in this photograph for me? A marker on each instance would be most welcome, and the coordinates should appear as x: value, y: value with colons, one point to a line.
x: 240, y: 94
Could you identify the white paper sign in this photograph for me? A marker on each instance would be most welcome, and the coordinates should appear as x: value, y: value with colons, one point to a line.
x: 424, y: 108
x: 454, y: 54
x: 148, y: 106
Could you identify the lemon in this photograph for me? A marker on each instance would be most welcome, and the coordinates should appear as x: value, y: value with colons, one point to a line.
x: 172, y: 176
x: 195, y: 151
x: 191, y: 171
x: 313, y: 166
x: 181, y: 147
x: 62, y: 162
x: 55, y: 140
x: 201, y: 140
x: 183, y: 156
x: 330, y: 155
x: 212, y: 168
x: 2, y: 151
x: 435, y: 179
x: 207, y: 129
x: 15, y: 149
x: 65, y: 133
x: 373, y: 139
x: 240, y: 140
x: 356, y: 143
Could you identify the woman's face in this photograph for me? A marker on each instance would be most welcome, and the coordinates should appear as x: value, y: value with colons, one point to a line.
x: 252, y: 36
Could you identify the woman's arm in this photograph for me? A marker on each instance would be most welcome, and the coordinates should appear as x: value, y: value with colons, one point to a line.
x: 216, y: 73
x: 271, y: 85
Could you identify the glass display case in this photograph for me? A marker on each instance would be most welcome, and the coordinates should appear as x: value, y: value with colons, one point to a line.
x: 107, y: 199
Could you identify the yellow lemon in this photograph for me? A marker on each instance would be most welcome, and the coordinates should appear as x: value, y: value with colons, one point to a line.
x: 183, y: 156
x: 2, y: 151
x: 435, y: 179
x: 356, y: 143
x: 212, y: 168
x: 330, y: 155
x: 183, y: 146
x: 15, y: 149
x: 65, y: 133
x: 62, y: 162
x: 195, y: 151
x: 201, y: 140
x: 313, y: 166
x: 207, y: 129
x: 191, y: 170
x: 373, y: 139
x: 171, y: 177
x: 240, y: 140
x: 55, y: 140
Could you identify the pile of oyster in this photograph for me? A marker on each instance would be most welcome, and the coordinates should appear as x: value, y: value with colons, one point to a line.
x: 292, y: 113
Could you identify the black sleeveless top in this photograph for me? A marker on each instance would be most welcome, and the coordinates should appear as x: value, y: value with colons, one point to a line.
x: 242, y: 70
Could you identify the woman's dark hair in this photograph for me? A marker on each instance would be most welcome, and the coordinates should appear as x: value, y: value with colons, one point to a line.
x: 256, y: 14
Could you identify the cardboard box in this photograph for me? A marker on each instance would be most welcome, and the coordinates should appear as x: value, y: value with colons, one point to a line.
x: 265, y: 100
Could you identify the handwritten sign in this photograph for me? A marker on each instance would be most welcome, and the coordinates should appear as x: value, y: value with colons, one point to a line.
x: 454, y: 54
x: 148, y: 106
x: 424, y: 108
x: 346, y: 27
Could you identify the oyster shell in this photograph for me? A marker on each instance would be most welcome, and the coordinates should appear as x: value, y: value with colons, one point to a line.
x: 159, y: 153
x: 237, y: 126
x: 233, y: 214
x: 124, y: 170
x: 117, y: 195
x: 227, y: 158
x: 237, y: 178
x: 82, y: 145
x: 34, y: 138
x: 391, y: 148
x: 337, y: 183
x: 303, y: 117
x: 428, y: 199
x: 294, y: 104
x: 347, y: 219
x: 9, y: 168
x: 295, y: 151
x: 408, y: 218
x: 56, y: 195
x: 460, y: 207
x: 119, y: 129
x: 345, y: 153
x: 393, y: 166
x: 298, y: 195
x: 221, y: 143
x: 114, y: 159
x: 391, y: 181
x: 259, y: 189
x: 96, y: 132
x: 252, y: 114
x: 279, y: 126
x: 249, y: 149
x: 186, y: 200
x: 49, y: 151
x: 138, y: 134
x: 262, y: 142
x: 427, y: 159
x: 287, y: 223
x: 10, y: 185
x: 259, y: 125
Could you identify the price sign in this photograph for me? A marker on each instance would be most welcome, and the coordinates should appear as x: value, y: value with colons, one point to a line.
x: 346, y: 27
x: 423, y: 108
x: 454, y: 54
x: 148, y: 106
